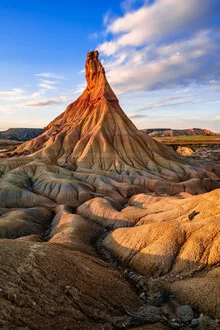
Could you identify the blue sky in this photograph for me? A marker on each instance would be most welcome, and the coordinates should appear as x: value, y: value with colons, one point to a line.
x: 162, y: 58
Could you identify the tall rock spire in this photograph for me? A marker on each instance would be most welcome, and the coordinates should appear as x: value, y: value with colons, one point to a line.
x: 94, y: 133
x: 97, y: 84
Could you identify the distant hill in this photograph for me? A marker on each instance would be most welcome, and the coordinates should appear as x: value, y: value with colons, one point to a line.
x: 165, y: 132
x: 20, y: 134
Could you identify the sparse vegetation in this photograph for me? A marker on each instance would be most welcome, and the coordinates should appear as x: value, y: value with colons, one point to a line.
x: 199, y: 139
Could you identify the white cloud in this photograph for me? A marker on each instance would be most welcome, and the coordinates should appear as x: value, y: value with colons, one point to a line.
x: 46, y: 80
x: 37, y: 94
x: 47, y: 84
x: 49, y: 101
x: 108, y: 48
x: 14, y: 94
x: 161, y: 45
x: 50, y: 82
x: 49, y: 75
x: 136, y: 116
x: 82, y: 71
x: 164, y: 18
x: 164, y: 66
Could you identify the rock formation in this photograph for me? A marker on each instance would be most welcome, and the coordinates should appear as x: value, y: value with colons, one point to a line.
x: 169, y: 244
x: 94, y: 133
x: 99, y: 226
x: 166, y: 132
x: 20, y: 134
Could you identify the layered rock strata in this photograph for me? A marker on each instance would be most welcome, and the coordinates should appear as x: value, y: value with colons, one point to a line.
x: 92, y: 185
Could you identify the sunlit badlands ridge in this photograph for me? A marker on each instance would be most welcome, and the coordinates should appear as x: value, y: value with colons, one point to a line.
x: 102, y: 227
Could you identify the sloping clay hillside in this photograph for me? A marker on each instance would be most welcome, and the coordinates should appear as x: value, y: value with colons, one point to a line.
x: 102, y: 227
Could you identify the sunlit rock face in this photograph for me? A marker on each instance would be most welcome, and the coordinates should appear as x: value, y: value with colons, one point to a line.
x: 93, y: 148
x: 177, y: 240
x: 94, y: 133
x: 93, y: 184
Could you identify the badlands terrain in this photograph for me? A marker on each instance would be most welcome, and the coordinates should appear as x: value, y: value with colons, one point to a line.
x: 103, y: 227
x: 167, y: 132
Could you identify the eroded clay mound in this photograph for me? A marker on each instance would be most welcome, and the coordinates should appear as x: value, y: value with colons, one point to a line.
x: 177, y: 238
x: 37, y: 183
x: 202, y: 292
x: 45, y: 286
x: 59, y: 266
x: 24, y: 222
x: 177, y: 208
x: 108, y: 213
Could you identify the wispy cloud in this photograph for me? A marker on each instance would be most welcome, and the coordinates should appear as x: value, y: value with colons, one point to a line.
x: 82, y: 71
x: 80, y: 88
x: 136, y: 116
x: 14, y: 94
x: 40, y: 93
x: 51, y: 101
x: 127, y: 5
x: 173, y: 101
x: 18, y: 98
x: 108, y: 17
x: 48, y: 84
x: 48, y: 80
x: 94, y: 35
x: 49, y: 75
